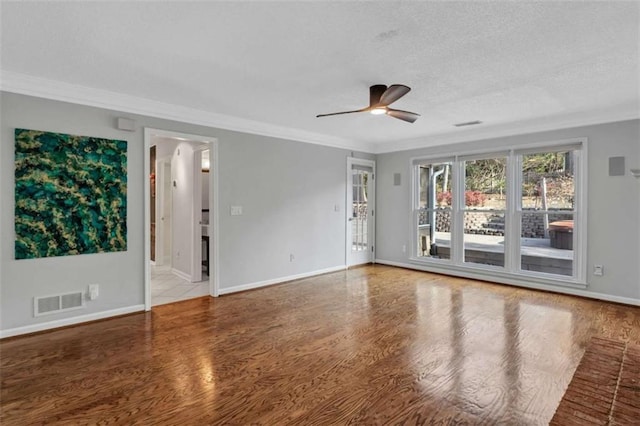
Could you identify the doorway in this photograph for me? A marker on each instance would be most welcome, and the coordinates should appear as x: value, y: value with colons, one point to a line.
x: 178, y: 216
x: 360, y: 221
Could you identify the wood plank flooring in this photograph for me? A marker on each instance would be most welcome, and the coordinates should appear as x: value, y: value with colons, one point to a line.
x: 372, y: 345
x: 605, y: 389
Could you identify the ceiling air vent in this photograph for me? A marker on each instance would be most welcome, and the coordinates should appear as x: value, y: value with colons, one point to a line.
x: 58, y: 303
x: 468, y: 123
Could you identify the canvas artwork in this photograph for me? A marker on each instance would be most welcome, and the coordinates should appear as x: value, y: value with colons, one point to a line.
x: 70, y: 194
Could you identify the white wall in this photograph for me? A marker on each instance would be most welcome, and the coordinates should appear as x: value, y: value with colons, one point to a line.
x: 164, y: 146
x: 613, y: 202
x: 287, y: 189
x: 182, y: 208
x: 204, y: 177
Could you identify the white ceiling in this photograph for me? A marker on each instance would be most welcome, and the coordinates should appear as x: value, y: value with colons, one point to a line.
x: 270, y: 67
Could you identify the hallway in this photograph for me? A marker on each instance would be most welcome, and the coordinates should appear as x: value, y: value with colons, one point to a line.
x: 166, y: 287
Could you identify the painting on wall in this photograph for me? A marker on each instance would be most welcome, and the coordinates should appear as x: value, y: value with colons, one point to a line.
x: 70, y: 194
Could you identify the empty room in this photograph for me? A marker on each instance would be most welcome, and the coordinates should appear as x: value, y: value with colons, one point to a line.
x: 354, y: 212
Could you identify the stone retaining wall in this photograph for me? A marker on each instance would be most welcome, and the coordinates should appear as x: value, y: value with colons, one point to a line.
x: 488, y: 223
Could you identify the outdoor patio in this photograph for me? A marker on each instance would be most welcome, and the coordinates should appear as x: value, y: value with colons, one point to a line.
x: 536, y: 253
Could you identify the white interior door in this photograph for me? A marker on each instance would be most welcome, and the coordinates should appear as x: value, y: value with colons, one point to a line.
x: 360, y: 211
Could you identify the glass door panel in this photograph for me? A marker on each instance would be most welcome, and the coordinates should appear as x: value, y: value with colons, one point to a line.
x: 434, y: 212
x: 547, y: 212
x: 485, y: 204
x: 360, y: 208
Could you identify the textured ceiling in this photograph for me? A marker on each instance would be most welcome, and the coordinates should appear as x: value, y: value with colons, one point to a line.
x: 511, y: 65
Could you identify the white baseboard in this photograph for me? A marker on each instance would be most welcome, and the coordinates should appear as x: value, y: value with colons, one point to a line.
x: 265, y: 283
x: 181, y: 274
x: 69, y: 321
x: 500, y: 280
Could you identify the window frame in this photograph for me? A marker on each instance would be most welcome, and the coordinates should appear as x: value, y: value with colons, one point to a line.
x: 415, y: 205
x: 513, y: 214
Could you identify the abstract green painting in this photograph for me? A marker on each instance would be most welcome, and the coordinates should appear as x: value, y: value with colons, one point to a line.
x: 70, y: 195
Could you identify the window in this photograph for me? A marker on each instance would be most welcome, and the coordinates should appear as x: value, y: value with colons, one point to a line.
x: 433, y: 215
x: 484, y: 210
x: 546, y: 211
x: 516, y: 213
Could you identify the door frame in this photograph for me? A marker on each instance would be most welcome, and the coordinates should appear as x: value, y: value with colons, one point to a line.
x: 371, y: 201
x: 214, y: 255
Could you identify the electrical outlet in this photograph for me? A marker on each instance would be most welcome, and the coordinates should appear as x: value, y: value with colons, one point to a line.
x: 94, y: 291
x: 235, y: 210
x: 404, y: 248
x: 291, y: 257
x: 598, y: 270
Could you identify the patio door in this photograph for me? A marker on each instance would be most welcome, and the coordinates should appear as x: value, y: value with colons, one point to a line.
x: 360, y: 211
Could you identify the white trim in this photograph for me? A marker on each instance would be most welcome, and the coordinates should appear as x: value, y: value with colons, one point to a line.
x: 147, y: 220
x: 214, y: 281
x: 14, y: 82
x: 525, y: 148
x: 371, y: 204
x: 265, y: 283
x: 214, y: 227
x: 60, y: 91
x: 513, y: 154
x: 478, y: 270
x: 516, y: 283
x: 69, y: 321
x: 196, y: 215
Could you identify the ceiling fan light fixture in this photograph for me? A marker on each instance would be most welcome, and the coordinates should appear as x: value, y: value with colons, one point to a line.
x: 380, y: 97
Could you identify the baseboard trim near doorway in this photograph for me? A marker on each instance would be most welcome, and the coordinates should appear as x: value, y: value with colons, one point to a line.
x: 258, y: 284
x: 181, y: 274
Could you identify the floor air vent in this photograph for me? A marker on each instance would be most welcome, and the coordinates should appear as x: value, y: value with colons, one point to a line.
x: 58, y: 303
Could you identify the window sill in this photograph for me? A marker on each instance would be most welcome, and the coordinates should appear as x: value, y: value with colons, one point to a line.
x: 494, y: 274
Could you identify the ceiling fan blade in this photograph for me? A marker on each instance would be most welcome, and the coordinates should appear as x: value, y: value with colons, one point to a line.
x: 403, y: 115
x: 340, y: 113
x: 393, y: 93
x: 375, y: 93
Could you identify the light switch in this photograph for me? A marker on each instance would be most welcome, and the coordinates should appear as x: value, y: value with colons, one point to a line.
x: 236, y: 210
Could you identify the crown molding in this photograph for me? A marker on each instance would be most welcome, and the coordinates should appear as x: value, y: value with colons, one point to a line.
x: 60, y: 91
x: 511, y: 129
x: 51, y: 89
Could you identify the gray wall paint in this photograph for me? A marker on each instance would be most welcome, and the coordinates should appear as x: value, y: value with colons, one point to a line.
x: 613, y: 202
x: 119, y: 274
x: 287, y: 189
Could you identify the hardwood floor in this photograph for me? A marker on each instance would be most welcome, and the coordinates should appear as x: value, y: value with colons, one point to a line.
x: 373, y: 345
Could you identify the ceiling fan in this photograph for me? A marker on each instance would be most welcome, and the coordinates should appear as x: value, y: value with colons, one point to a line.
x: 380, y: 97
